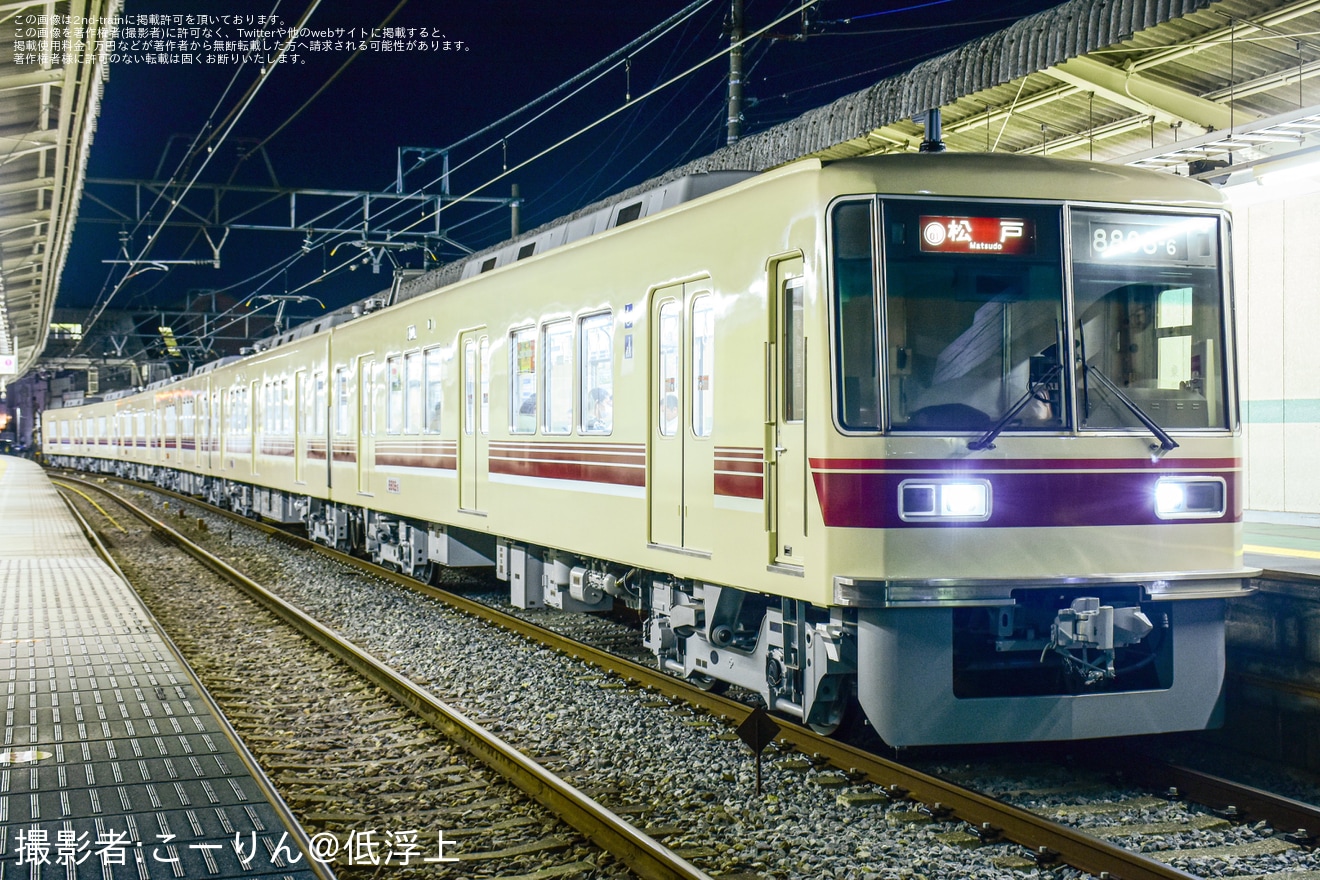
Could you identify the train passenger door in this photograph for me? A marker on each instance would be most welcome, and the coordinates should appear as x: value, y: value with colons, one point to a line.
x: 366, y: 447
x: 787, y: 404
x: 680, y: 483
x: 473, y: 447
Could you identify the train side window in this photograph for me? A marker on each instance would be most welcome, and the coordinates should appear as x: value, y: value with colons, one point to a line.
x: 434, y: 391
x: 703, y: 365
x: 342, y: 412
x: 558, y: 378
x: 522, y: 373
x: 597, y: 379
x: 858, y: 383
x: 413, y: 411
x: 394, y: 415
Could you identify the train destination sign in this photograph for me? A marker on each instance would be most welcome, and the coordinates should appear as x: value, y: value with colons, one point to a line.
x: 976, y: 235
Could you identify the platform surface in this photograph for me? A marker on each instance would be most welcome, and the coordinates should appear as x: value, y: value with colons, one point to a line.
x: 1283, y: 550
x: 112, y: 765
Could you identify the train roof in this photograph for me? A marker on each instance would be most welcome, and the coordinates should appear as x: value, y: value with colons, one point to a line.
x: 1006, y: 175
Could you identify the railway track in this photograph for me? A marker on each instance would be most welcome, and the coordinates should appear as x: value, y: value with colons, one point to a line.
x: 375, y: 786
x: 1048, y: 837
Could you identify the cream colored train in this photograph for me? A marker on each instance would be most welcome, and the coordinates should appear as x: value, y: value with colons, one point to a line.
x: 954, y: 437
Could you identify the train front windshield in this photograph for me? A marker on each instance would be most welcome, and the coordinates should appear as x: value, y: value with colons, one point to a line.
x: 957, y: 319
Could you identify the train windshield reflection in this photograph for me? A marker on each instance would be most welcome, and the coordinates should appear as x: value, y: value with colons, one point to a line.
x: 973, y: 315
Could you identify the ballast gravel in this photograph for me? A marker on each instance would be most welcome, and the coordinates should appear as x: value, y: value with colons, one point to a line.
x: 667, y: 767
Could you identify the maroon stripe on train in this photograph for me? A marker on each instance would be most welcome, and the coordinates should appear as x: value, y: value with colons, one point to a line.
x: 583, y: 472
x: 444, y: 461
x: 1018, y: 500
x: 743, y: 466
x: 739, y: 485
x: 1023, y: 464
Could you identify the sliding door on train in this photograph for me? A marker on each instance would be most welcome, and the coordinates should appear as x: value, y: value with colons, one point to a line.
x: 473, y: 435
x: 682, y: 409
x: 787, y: 405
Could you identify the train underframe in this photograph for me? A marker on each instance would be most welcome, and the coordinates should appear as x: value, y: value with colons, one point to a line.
x: 1021, y: 663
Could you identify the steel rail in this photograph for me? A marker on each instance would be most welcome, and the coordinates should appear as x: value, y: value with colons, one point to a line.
x: 1046, y: 840
x: 1248, y: 803
x: 290, y: 821
x: 640, y: 852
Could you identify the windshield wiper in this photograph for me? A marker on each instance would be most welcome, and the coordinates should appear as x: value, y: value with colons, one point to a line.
x: 1167, y: 443
x: 987, y: 440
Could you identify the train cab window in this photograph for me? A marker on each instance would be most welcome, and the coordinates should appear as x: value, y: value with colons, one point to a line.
x: 413, y: 402
x: 434, y: 391
x: 596, y: 363
x: 558, y: 389
x: 858, y: 382
x: 1149, y: 320
x: 973, y: 316
x: 703, y: 365
x: 343, y: 415
x: 522, y: 373
x: 394, y: 414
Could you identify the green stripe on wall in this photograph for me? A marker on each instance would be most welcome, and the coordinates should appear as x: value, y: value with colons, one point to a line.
x: 1277, y: 412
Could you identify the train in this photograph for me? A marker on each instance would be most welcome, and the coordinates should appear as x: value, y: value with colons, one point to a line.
x: 950, y: 440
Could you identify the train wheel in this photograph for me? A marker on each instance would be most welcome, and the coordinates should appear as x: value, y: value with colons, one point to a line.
x: 708, y: 683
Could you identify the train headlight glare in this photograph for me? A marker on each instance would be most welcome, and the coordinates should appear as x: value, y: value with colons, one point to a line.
x: 963, y: 499
x: 1169, y: 497
x: 944, y: 500
x: 1190, y: 497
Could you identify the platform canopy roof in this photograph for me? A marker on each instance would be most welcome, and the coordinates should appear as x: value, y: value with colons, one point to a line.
x: 1193, y: 87
x: 48, y: 112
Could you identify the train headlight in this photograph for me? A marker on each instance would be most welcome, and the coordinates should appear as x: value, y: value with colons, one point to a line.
x: 1190, y: 497
x: 944, y: 500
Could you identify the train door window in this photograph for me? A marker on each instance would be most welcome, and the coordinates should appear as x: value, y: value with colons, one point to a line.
x: 368, y: 381
x: 140, y: 429
x: 187, y: 419
x: 973, y: 315
x: 470, y: 386
x: 794, y: 342
x: 100, y: 429
x: 703, y: 365
x: 394, y: 415
x: 413, y: 412
x: 318, y: 403
x: 308, y: 411
x: 558, y: 378
x: 856, y: 317
x: 671, y: 367
x: 434, y: 391
x: 171, y: 422
x: 286, y: 392
x: 485, y: 347
x: 343, y: 415
x: 522, y: 396
x: 597, y: 380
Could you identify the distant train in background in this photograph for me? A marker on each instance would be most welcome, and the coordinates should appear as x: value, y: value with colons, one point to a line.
x: 953, y: 437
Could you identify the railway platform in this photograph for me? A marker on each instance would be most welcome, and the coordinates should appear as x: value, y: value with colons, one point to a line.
x: 1284, y: 551
x: 114, y: 764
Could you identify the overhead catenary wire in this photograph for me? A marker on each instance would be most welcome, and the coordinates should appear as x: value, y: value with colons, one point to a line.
x: 219, y: 134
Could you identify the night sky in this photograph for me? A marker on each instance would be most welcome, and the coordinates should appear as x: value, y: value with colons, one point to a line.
x: 511, y: 52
